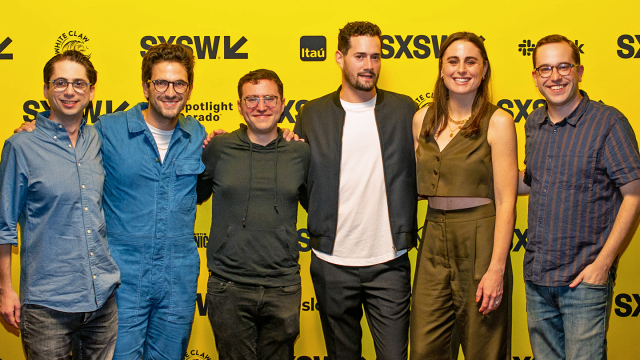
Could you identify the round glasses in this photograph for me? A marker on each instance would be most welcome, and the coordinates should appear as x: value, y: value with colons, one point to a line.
x: 79, y: 86
x: 252, y: 102
x: 162, y: 85
x: 563, y: 69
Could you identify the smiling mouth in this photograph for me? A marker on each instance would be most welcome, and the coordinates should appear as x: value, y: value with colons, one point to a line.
x: 169, y: 103
x: 557, y: 87
x: 367, y: 76
x: 461, y: 80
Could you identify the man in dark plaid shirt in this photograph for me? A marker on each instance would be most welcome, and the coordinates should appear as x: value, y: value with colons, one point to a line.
x: 582, y: 171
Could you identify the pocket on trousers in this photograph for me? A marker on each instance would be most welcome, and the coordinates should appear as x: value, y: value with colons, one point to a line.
x: 185, y: 269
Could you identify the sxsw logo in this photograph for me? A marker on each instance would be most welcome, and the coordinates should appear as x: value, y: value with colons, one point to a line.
x: 627, y: 305
x: 627, y: 51
x: 526, y: 47
x: 3, y: 45
x: 286, y: 114
x: 32, y: 108
x: 206, y: 47
x: 410, y: 46
x: 313, y: 48
x: 523, y: 107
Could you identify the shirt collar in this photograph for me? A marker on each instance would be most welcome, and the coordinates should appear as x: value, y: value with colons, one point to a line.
x: 136, y: 123
x: 53, y: 128
x: 575, y: 115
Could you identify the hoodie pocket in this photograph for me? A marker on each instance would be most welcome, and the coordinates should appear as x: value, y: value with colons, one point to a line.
x: 254, y: 250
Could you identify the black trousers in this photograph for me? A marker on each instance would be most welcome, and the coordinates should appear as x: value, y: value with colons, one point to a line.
x: 383, y: 290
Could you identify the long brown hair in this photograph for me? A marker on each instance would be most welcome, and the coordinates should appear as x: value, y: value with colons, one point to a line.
x: 481, y: 102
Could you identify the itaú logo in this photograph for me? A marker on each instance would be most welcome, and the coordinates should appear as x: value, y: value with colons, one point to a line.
x: 313, y: 48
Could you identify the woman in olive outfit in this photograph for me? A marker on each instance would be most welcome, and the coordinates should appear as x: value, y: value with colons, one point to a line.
x: 467, y: 169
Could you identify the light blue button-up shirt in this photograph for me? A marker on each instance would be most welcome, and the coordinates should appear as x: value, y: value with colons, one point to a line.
x: 54, y: 191
x: 143, y: 196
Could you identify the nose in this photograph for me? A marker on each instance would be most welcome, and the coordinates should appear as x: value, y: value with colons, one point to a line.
x: 462, y: 67
x: 555, y: 75
x: 368, y: 64
x: 170, y: 92
x: 70, y: 91
x: 261, y: 105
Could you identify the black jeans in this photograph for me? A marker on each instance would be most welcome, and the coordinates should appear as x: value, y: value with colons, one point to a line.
x: 385, y: 292
x: 50, y: 334
x: 253, y: 322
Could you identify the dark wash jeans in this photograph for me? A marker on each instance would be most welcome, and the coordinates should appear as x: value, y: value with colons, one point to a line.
x: 50, y: 334
x: 253, y: 322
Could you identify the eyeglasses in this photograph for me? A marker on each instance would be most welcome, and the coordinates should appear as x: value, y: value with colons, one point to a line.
x: 79, y: 86
x: 162, y: 85
x: 564, y: 69
x: 253, y: 101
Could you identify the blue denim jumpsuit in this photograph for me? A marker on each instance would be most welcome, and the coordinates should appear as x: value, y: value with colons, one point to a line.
x: 150, y: 210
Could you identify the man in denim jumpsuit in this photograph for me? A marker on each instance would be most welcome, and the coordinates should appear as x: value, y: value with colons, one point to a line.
x: 152, y: 160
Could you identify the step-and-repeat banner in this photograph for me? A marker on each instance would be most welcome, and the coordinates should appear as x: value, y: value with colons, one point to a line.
x: 298, y: 41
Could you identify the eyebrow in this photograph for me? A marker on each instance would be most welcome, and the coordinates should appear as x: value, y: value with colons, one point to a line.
x: 467, y: 58
x: 67, y: 80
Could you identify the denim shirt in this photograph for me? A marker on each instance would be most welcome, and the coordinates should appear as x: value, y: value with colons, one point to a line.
x: 144, y: 198
x: 54, y: 191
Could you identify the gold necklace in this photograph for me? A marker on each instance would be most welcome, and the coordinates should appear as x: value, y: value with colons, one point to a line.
x: 460, y: 124
x: 159, y: 148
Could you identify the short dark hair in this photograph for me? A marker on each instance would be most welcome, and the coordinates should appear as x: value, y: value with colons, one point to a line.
x: 74, y: 56
x: 261, y: 74
x: 555, y: 38
x: 169, y: 53
x: 356, y: 28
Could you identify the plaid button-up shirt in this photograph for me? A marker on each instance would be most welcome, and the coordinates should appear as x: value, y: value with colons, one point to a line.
x: 575, y: 169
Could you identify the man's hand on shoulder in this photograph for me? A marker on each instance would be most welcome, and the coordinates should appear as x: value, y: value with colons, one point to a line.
x: 288, y: 135
x: 210, y: 136
x: 28, y: 126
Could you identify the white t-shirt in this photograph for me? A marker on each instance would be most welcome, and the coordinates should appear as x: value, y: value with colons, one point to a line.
x: 162, y: 138
x: 364, y: 236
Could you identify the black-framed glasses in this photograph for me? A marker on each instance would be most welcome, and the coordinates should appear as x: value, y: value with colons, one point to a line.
x: 79, y: 86
x: 179, y: 86
x: 253, y: 101
x: 563, y: 69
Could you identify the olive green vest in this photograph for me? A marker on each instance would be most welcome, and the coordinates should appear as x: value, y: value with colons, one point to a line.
x: 463, y: 168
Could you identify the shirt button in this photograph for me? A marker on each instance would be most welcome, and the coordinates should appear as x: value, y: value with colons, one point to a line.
x: 433, y: 187
x: 549, y: 160
x: 435, y: 172
x: 69, y: 145
x: 540, y: 221
x: 86, y: 208
x: 80, y: 164
x: 544, y: 190
x: 157, y: 160
x: 437, y: 158
x: 88, y: 231
x: 91, y: 253
x: 60, y: 126
x: 555, y: 131
x: 94, y: 276
x: 83, y: 186
x: 55, y: 137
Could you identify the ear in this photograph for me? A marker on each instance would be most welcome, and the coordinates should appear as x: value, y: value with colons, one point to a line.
x: 580, y: 72
x: 240, y: 107
x: 46, y: 91
x: 485, y: 68
x: 145, y: 89
x: 92, y: 91
x: 339, y: 58
x: 535, y: 80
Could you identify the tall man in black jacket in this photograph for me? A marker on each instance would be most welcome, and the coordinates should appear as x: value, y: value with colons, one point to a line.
x: 362, y: 202
x: 257, y: 179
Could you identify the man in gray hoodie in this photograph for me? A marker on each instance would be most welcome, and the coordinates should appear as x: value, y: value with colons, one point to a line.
x: 257, y: 179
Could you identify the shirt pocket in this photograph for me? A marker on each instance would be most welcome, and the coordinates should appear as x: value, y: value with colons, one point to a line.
x: 576, y: 171
x: 186, y: 176
x: 97, y: 175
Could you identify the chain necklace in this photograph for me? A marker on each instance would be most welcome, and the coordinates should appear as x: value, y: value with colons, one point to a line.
x: 460, y: 124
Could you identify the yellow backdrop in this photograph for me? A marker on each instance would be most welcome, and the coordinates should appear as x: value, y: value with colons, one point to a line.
x: 231, y: 38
